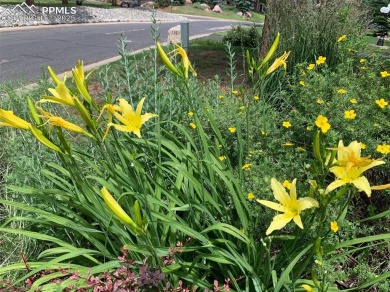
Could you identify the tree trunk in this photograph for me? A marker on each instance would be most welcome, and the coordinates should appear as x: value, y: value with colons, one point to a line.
x: 266, y: 34
x: 113, y: 2
x: 30, y: 2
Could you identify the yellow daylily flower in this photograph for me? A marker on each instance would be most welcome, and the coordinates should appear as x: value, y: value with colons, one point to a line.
x: 185, y: 61
x: 350, y: 166
x: 54, y: 76
x: 117, y: 209
x: 10, y: 120
x: 131, y: 121
x: 61, y: 94
x: 80, y: 80
x: 289, y: 205
x: 281, y: 61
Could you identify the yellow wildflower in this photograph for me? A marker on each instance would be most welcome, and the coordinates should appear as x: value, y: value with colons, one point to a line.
x: 311, y: 66
x: 322, y: 123
x: 287, y: 184
x: 353, y: 100
x: 343, y: 37
x: 286, y: 124
x: 350, y: 166
x: 232, y: 130
x: 221, y: 96
x: 362, y: 60
x: 192, y: 125
x: 363, y: 145
x: 334, y: 226
x: 234, y: 91
x: 222, y: 158
x: 302, y: 83
x: 385, y: 74
x: 341, y: 91
x: 251, y: 196
x: 256, y: 97
x: 320, y: 60
x: 320, y: 101
x: 289, y: 205
x: 383, y: 148
x: 350, y: 115
x: 288, y: 144
x: 264, y: 133
x: 301, y: 149
x: 190, y: 114
x: 381, y: 103
x: 246, y: 166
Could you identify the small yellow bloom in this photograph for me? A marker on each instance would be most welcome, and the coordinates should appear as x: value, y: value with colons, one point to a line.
x: 363, y: 145
x: 381, y: 103
x: 290, y: 205
x: 343, y: 37
x: 287, y: 184
x: 256, y: 97
x: 246, y: 166
x: 320, y: 60
x: 311, y: 66
x: 288, y: 144
x: 251, y: 196
x: 362, y: 60
x: 307, y: 288
x: 301, y: 149
x: 350, y: 115
x: 222, y: 158
x: 322, y: 123
x: 341, y: 91
x: 281, y: 61
x: 385, y: 74
x: 334, y: 227
x: 320, y: 101
x: 264, y: 133
x: 383, y: 148
x: 221, y: 96
x: 190, y: 114
x: 353, y: 100
x: 192, y: 125
x: 234, y: 91
x: 286, y: 124
x: 302, y: 83
x: 232, y: 130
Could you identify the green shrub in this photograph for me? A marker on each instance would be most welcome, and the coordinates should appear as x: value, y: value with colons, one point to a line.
x: 197, y: 5
x: 244, y: 5
x: 245, y: 37
x: 162, y: 3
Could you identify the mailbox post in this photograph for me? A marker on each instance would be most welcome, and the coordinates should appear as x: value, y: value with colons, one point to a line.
x: 185, y: 35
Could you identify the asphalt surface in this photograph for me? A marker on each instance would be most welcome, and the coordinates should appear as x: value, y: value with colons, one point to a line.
x: 26, y: 52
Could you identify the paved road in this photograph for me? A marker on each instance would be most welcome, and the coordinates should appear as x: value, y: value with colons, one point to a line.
x: 25, y: 53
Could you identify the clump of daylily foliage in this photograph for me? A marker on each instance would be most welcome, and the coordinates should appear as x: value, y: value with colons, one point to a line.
x: 170, y: 198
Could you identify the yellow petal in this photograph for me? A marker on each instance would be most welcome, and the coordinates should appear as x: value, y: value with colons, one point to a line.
x: 363, y: 185
x: 280, y: 193
x: 297, y: 219
x: 278, y: 223
x: 381, y: 187
x: 146, y: 117
x: 293, y: 190
x: 334, y: 185
x: 307, y: 203
x: 272, y: 205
